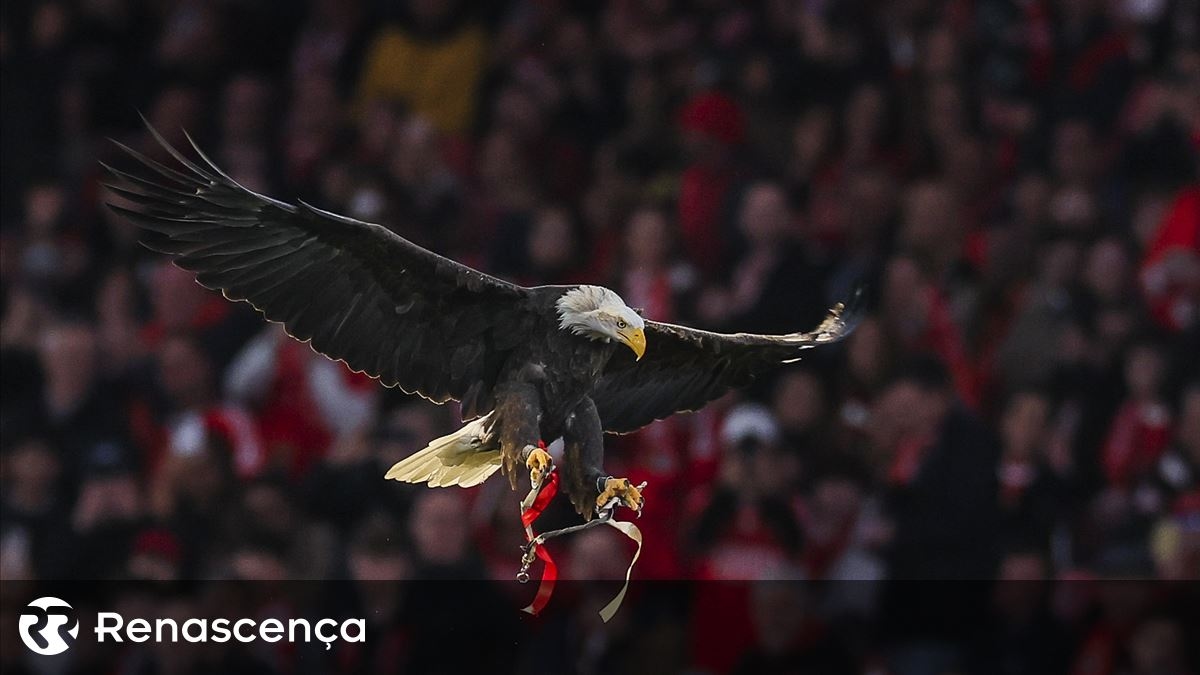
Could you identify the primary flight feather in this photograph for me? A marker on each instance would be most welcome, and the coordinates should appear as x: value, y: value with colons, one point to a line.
x: 526, y: 363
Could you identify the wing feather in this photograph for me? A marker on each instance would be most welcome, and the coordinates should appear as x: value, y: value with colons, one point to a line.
x: 356, y: 291
x: 685, y: 368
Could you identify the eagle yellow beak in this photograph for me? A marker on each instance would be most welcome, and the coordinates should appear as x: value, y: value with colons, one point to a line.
x: 636, y: 340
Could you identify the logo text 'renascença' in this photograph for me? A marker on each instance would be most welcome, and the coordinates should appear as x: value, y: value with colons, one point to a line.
x: 49, y: 626
x: 111, y: 625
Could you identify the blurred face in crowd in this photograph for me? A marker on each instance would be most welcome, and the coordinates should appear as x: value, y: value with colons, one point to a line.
x: 378, y: 565
x: 1023, y: 426
x: 836, y: 500
x: 1073, y: 157
x: 774, y: 471
x: 778, y: 610
x: 415, y: 152
x: 946, y: 118
x: 1148, y: 213
x: 518, y: 110
x: 1188, y: 431
x: 175, y: 110
x: 873, y: 197
x: 270, y: 510
x: 1107, y: 270
x: 184, y: 371
x: 152, y: 567
x: 501, y: 164
x: 439, y: 527
x: 966, y: 166
x: 44, y: 208
x: 905, y: 298
x: 202, y: 480
x: 1144, y: 371
x: 1023, y: 587
x: 1031, y: 200
x: 68, y: 357
x: 245, y: 109
x: 377, y: 555
x: 765, y: 217
x: 31, y: 470
x: 891, y: 418
x: 1157, y: 648
x: 799, y: 403
x: 941, y: 52
x: 812, y: 136
x: 108, y: 500
x: 1114, y: 327
x: 647, y: 239
x: 865, y: 115
x: 176, y: 296
x: 932, y: 230
x: 1073, y: 207
x: 49, y: 24
x: 1023, y: 567
x: 116, y: 301
x: 380, y: 126
x: 1058, y: 263
x: 315, y: 110
x: 906, y: 409
x: 257, y: 564
x: 865, y: 352
x: 552, y: 242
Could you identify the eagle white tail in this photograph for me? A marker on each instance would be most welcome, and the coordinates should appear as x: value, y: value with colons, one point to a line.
x: 465, y: 458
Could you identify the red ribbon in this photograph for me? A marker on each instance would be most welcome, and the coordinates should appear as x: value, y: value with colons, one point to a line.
x: 550, y: 570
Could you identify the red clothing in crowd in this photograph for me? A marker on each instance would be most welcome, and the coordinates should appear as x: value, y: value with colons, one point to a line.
x: 1172, y: 302
x: 704, y: 186
x: 702, y: 193
x: 292, y: 428
x: 1139, y: 434
x: 215, y: 427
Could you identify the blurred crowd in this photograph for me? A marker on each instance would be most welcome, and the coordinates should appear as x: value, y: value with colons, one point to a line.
x: 1015, y: 182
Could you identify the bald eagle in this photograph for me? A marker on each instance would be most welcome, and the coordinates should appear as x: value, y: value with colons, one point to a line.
x: 526, y: 364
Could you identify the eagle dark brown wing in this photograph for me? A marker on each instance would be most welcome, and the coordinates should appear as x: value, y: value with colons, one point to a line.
x: 685, y: 368
x: 357, y: 291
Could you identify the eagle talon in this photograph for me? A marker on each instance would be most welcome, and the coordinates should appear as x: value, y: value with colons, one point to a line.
x: 622, y: 490
x: 540, y: 464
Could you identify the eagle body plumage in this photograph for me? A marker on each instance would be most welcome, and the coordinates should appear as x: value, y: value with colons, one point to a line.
x: 526, y: 364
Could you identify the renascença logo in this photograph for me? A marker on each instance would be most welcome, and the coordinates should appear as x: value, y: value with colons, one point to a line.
x: 48, y: 626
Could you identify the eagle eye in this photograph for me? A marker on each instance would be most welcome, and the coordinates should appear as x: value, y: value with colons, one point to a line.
x: 621, y: 323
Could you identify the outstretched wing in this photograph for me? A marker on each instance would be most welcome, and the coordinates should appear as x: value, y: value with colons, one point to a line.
x: 357, y: 291
x: 685, y: 368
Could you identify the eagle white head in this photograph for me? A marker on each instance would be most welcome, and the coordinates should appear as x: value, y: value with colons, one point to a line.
x: 598, y: 313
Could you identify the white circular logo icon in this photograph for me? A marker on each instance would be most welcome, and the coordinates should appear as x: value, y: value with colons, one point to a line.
x: 49, y: 626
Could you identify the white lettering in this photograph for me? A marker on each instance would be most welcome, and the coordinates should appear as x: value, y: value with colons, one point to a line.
x: 292, y: 623
x: 169, y: 623
x: 237, y: 630
x: 109, y: 625
x: 271, y: 630
x: 201, y: 624
x: 360, y: 624
x: 327, y: 639
x: 138, y: 630
x: 101, y: 628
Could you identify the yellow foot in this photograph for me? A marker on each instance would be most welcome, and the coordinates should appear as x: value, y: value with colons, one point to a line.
x: 621, y: 488
x: 539, y: 463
